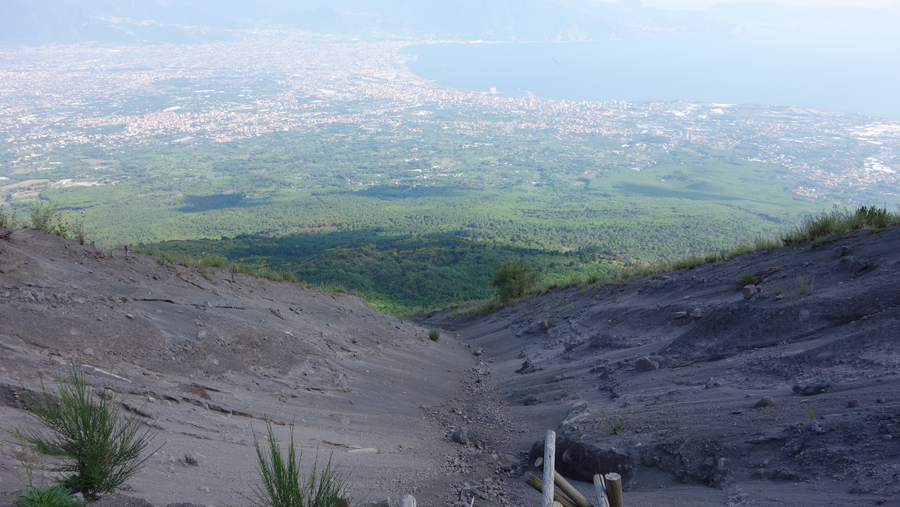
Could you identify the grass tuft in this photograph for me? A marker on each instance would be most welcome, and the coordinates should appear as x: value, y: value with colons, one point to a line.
x: 748, y: 278
x: 280, y: 482
x: 804, y: 285
x: 48, y: 496
x: 434, y: 334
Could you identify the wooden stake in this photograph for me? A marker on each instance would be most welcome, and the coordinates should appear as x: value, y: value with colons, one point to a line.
x: 614, y: 489
x: 600, y: 488
x: 538, y: 484
x: 570, y: 491
x: 549, y: 470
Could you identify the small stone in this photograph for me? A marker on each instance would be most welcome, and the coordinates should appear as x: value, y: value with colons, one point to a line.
x: 813, y: 388
x: 749, y: 291
x: 538, y: 462
x: 191, y: 460
x: 697, y: 313
x: 841, y: 251
x: 644, y: 364
x: 545, y: 325
x: 129, y: 316
x: 816, y: 428
x: 888, y: 438
x: 858, y: 266
x: 712, y: 382
x: 461, y: 436
x: 88, y: 352
x: 201, y: 334
x: 852, y: 403
x: 528, y: 367
x: 679, y: 315
x: 204, y: 489
x: 479, y: 351
x: 651, y: 460
x: 766, y: 402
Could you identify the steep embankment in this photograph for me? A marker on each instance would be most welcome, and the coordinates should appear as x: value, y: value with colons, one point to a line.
x: 788, y: 396
x: 207, y: 353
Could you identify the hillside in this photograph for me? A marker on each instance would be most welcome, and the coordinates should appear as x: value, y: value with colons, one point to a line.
x: 207, y: 354
x: 776, y: 398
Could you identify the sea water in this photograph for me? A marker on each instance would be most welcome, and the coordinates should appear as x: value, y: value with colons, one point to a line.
x: 846, y: 74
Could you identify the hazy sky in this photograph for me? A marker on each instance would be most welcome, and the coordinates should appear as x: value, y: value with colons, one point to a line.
x: 700, y: 4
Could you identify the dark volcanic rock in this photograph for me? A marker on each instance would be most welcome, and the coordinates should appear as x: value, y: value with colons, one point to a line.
x: 645, y: 364
x: 766, y: 402
x: 461, y: 436
x: 117, y: 500
x: 528, y: 367
x: 812, y: 388
x: 580, y: 460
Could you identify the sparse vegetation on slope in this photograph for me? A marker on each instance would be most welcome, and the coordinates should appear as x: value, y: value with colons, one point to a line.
x: 47, y: 496
x: 280, y: 482
x: 822, y: 227
x: 836, y: 222
x: 100, y: 452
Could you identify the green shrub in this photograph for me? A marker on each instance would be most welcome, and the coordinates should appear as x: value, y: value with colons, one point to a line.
x: 280, y: 484
x: 47, y: 496
x: 513, y: 279
x: 41, y: 215
x: 617, y: 424
x: 99, y: 451
x: 804, y: 285
x: 8, y: 222
x: 748, y: 278
x: 214, y: 261
x: 477, y: 309
x: 434, y: 334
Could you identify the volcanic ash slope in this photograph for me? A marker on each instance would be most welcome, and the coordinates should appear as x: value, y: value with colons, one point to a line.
x: 206, y: 356
x: 785, y: 393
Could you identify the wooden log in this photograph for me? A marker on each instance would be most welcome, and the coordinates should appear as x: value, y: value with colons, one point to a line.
x: 570, y: 491
x: 614, y: 489
x: 538, y: 484
x: 600, y: 489
x: 549, y: 468
x: 408, y: 501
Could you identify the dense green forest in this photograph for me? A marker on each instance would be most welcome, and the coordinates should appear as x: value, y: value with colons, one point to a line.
x: 396, y: 274
x: 417, y: 218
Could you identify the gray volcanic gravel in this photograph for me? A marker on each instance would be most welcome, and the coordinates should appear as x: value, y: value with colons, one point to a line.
x: 700, y: 391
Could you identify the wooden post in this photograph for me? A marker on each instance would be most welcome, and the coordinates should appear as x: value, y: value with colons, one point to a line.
x: 408, y: 501
x: 614, y: 489
x: 600, y: 488
x: 570, y: 491
x: 549, y: 468
x: 538, y: 484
